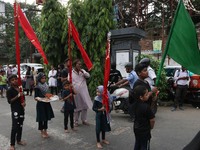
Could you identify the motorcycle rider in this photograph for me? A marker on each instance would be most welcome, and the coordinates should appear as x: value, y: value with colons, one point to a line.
x: 132, y: 77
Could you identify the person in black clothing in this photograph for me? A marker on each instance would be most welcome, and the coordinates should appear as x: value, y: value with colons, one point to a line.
x: 64, y: 76
x: 44, y: 111
x: 69, y: 106
x: 102, y: 122
x: 115, y: 75
x: 142, y: 73
x: 59, y: 72
x: 17, y: 111
x: 144, y: 119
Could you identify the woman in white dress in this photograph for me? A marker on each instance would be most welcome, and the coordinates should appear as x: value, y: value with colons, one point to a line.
x: 53, y: 80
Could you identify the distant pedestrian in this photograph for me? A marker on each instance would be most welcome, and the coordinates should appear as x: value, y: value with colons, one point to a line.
x: 115, y: 75
x: 17, y: 111
x: 102, y: 119
x: 69, y: 106
x: 3, y: 82
x: 53, y: 80
x: 14, y: 70
x: 29, y: 81
x: 181, y: 78
x: 44, y: 110
x: 144, y: 119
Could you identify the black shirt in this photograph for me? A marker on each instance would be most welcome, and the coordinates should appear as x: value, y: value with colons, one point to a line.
x: 15, y: 105
x: 64, y: 73
x: 143, y: 115
x: 69, y: 103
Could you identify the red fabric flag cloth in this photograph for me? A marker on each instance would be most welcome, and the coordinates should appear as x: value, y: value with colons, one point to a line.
x: 106, y: 77
x: 18, y: 50
x: 75, y: 36
x: 30, y: 33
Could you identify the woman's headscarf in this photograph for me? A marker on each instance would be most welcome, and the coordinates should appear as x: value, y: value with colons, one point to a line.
x: 42, y: 86
x: 100, y: 97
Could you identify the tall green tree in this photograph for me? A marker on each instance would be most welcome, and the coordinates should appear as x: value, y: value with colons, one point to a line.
x: 94, y: 19
x: 51, y: 30
x: 7, y: 34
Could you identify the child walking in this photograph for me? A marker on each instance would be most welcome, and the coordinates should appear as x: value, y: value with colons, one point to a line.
x: 144, y: 118
x: 102, y: 124
x: 69, y: 106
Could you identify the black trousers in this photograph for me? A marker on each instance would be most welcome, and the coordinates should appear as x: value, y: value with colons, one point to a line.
x: 98, y: 135
x: 17, y: 124
x: 181, y: 91
x: 67, y: 114
x: 42, y: 125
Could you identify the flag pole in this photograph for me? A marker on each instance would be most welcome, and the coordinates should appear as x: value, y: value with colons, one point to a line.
x: 167, y: 46
x: 17, y: 48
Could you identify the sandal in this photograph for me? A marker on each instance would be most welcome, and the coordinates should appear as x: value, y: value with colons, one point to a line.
x: 86, y: 123
x: 99, y: 146
x: 66, y: 131
x: 22, y: 143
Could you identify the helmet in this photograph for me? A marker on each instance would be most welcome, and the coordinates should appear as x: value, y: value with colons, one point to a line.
x: 145, y: 61
x: 129, y: 65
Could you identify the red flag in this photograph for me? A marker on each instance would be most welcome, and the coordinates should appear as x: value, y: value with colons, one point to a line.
x: 17, y: 50
x: 75, y: 36
x: 30, y: 33
x: 106, y: 76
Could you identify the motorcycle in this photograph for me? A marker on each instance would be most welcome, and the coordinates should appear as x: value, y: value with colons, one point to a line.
x: 120, y: 98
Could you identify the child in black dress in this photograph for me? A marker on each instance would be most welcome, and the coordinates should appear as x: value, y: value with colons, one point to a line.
x: 17, y: 111
x: 102, y: 122
x: 144, y: 118
x: 44, y: 110
x: 69, y: 106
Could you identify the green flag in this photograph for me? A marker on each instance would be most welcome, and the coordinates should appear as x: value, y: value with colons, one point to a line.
x: 182, y: 43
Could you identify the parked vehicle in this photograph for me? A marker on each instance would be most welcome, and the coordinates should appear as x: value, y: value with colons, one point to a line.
x: 193, y: 93
x: 37, y: 67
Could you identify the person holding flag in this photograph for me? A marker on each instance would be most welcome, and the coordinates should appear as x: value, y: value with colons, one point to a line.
x: 102, y: 122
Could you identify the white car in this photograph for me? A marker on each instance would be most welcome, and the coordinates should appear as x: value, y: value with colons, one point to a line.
x: 37, y: 67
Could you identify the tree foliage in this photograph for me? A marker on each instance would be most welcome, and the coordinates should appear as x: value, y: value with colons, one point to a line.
x: 7, y: 34
x: 51, y: 30
x: 93, y: 19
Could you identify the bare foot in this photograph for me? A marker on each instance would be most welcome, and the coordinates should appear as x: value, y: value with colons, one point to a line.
x: 12, y: 147
x: 66, y: 131
x: 105, y: 142
x: 99, y: 145
x: 23, y: 143
x: 74, y: 129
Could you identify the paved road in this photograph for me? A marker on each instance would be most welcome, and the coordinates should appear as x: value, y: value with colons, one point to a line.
x: 173, y: 130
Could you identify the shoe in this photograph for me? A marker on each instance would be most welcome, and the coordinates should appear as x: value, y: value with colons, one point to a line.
x: 105, y: 142
x: 86, y: 123
x: 2, y: 97
x: 173, y: 109
x: 181, y: 108
x: 99, y: 146
x: 23, y: 143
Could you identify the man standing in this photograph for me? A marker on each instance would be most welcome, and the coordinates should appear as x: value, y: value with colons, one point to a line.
x: 181, y: 78
x: 17, y: 111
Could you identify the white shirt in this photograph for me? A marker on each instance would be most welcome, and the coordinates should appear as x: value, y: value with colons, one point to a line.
x: 180, y: 73
x: 151, y: 76
x: 14, y: 70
